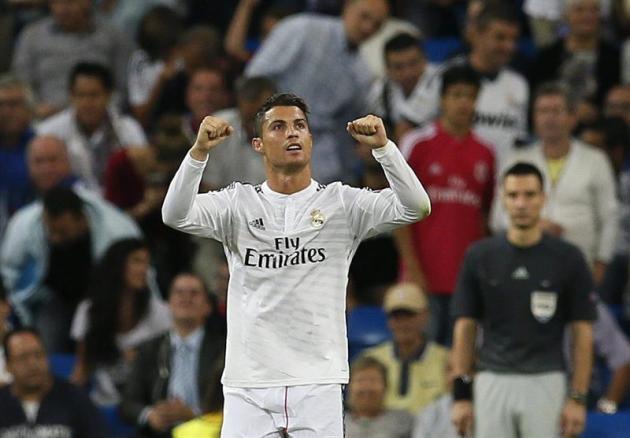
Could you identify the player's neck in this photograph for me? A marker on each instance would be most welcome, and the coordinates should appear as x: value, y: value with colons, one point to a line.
x: 524, y: 237
x: 289, y: 183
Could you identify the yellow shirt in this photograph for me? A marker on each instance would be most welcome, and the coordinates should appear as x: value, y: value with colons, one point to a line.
x: 426, y: 379
x: 555, y: 166
x: 206, y: 426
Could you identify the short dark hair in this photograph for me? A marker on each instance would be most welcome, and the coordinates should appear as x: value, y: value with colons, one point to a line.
x: 368, y: 362
x: 159, y: 31
x: 60, y: 200
x: 496, y: 10
x: 3, y: 292
x: 252, y: 88
x: 15, y: 332
x: 402, y: 41
x: 555, y: 88
x: 523, y: 169
x: 278, y: 99
x: 460, y: 74
x: 93, y: 70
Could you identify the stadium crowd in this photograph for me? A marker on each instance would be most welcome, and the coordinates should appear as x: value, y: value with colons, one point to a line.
x: 113, y: 324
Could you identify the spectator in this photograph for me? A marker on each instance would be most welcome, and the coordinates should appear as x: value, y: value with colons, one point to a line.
x: 47, y: 51
x: 544, y: 17
x: 618, y: 102
x: 501, y: 110
x: 198, y: 49
x: 5, y: 326
x: 120, y: 313
x: 459, y: 172
x: 206, y: 93
x: 37, y: 404
x: 333, y: 81
x: 48, y: 164
x: 610, y: 345
x: 235, y: 42
x: 367, y: 416
x: 136, y: 181
x: 409, y: 90
x: 172, y: 373
x: 415, y: 366
x: 522, y: 288
x: 155, y: 61
x: 435, y: 419
x: 612, y: 136
x: 16, y: 115
x: 89, y: 127
x: 238, y: 161
x: 579, y: 181
x: 583, y: 60
x: 47, y: 254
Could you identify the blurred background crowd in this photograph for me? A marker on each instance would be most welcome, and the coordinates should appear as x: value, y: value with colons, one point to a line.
x: 101, y: 99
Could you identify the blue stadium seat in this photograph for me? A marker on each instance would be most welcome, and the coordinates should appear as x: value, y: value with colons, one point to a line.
x: 367, y: 326
x: 61, y: 365
x: 607, y: 426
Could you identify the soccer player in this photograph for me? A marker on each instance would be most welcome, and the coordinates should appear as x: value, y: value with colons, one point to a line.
x: 289, y: 243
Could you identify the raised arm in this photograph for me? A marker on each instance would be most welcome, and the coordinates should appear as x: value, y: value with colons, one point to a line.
x: 183, y: 208
x: 404, y: 202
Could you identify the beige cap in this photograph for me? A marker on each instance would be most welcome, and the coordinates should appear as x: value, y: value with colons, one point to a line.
x: 405, y: 296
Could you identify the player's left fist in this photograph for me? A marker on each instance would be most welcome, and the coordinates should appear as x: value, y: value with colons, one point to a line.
x: 368, y: 130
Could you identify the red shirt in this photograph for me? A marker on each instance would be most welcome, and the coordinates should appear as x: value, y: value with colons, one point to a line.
x: 459, y: 175
x: 124, y: 186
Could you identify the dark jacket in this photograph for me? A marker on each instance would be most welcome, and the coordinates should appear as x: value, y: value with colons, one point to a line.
x: 66, y: 411
x: 550, y: 59
x: 148, y: 381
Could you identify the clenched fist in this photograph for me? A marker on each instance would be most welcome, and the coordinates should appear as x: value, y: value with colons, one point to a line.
x: 368, y: 130
x: 212, y: 131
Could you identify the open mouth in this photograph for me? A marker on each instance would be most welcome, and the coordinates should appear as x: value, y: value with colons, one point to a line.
x: 294, y: 147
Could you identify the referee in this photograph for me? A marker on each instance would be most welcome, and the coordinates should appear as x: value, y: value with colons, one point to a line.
x: 521, y: 289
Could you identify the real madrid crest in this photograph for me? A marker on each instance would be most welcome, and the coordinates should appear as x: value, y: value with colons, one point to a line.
x: 317, y: 218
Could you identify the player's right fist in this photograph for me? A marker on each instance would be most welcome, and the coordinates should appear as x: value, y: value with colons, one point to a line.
x: 212, y: 131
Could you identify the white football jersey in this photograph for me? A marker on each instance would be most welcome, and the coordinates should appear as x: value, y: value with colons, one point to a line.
x: 289, y: 257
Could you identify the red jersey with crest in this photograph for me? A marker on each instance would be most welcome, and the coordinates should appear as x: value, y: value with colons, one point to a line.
x: 459, y: 175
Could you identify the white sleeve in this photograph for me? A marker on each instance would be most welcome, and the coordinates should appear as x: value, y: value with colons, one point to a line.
x: 608, y: 339
x: 607, y: 209
x: 205, y: 215
x: 405, y: 202
x: 80, y: 322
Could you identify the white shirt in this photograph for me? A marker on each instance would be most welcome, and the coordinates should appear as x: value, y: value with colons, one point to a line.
x: 5, y: 376
x: 83, y: 151
x: 420, y: 107
x: 156, y: 321
x: 143, y: 75
x: 289, y: 257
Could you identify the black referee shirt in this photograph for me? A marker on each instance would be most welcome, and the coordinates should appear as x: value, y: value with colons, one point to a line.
x: 523, y: 298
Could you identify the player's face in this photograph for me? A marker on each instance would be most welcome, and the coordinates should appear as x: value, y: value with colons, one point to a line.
x: 188, y: 300
x: 523, y: 199
x: 48, y: 163
x: 366, y: 390
x: 286, y: 140
x: 552, y: 119
x: 363, y: 18
x: 90, y: 99
x: 496, y: 42
x: 137, y: 268
x: 458, y: 104
x: 405, y: 67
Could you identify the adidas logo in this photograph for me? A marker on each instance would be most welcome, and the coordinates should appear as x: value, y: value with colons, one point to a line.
x: 520, y: 273
x: 257, y: 223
